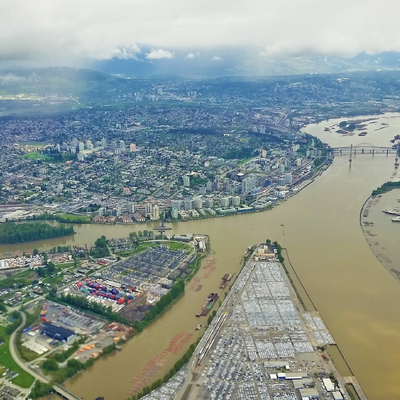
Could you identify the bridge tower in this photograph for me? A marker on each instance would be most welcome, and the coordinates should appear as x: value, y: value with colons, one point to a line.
x: 351, y: 155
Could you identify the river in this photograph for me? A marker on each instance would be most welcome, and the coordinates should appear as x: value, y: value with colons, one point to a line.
x: 356, y: 296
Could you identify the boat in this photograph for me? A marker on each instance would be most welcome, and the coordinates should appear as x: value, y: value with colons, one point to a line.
x: 397, y: 219
x: 225, y: 280
x: 210, y: 300
x: 391, y: 212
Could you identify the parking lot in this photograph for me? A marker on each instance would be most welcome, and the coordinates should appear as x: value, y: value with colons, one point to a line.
x: 266, y: 346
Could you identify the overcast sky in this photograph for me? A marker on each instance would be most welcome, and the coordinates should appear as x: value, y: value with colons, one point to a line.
x: 64, y: 30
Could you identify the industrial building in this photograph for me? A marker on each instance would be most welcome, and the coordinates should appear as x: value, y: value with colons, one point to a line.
x: 58, y: 333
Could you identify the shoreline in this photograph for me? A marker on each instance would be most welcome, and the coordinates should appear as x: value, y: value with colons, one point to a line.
x: 370, y: 202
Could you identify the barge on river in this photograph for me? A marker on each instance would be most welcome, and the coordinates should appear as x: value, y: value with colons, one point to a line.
x: 225, y: 280
x: 210, y: 300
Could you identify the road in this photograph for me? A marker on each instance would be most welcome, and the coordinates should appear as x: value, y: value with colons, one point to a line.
x: 15, y: 356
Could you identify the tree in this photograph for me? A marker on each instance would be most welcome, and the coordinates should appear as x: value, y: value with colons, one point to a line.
x: 35, y: 252
x: 50, y: 364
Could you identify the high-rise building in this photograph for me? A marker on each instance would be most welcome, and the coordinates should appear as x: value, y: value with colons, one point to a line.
x: 235, y: 200
x: 103, y: 142
x: 122, y: 145
x: 176, y: 204
x: 263, y: 153
x: 126, y: 191
x: 186, y: 180
x: 288, y: 178
x: 81, y: 146
x: 187, y: 204
x: 174, y: 213
x: 198, y: 203
x: 81, y: 157
x: 131, y: 208
x: 89, y: 144
x: 132, y: 147
x: 202, y: 190
x: 225, y: 202
x: 209, y: 186
x: 74, y: 142
x: 281, y: 168
x: 209, y: 203
x: 156, y: 212
x: 148, y: 207
x: 167, y: 188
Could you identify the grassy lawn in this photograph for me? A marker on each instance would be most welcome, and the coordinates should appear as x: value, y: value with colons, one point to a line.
x: 23, y: 380
x: 36, y: 156
x: 53, y: 280
x: 178, y: 246
x: 244, y: 161
x: 25, y: 278
x: 64, y: 265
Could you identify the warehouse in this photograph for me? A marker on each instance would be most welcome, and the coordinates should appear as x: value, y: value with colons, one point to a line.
x: 309, y: 394
x: 56, y: 332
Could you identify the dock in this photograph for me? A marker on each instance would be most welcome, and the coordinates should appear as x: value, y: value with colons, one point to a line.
x: 351, y: 380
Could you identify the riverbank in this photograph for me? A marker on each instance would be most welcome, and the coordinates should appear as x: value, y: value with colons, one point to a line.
x: 380, y: 232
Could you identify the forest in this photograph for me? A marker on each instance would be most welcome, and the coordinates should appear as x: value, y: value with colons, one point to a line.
x: 11, y: 232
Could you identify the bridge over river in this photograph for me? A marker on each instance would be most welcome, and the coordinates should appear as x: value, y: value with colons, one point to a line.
x: 363, y: 148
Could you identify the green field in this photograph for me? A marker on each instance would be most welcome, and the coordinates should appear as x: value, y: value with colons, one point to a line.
x: 23, y: 380
x: 178, y: 246
x: 36, y: 156
x: 23, y: 278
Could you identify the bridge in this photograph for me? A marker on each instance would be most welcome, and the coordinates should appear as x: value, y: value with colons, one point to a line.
x: 364, y: 148
x: 367, y: 148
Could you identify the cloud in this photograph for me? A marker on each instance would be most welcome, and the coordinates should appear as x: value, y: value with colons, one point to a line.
x: 193, y: 55
x: 159, y: 54
x: 216, y: 58
x: 100, y: 29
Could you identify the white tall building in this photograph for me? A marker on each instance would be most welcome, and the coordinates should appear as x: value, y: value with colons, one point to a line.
x: 186, y: 180
x: 198, y: 203
x: 81, y: 146
x: 174, y: 213
x: 288, y: 178
x: 132, y: 147
x: 148, y: 207
x: 122, y: 145
x: 131, y: 208
x: 209, y: 203
x: 187, y: 204
x: 103, y: 142
x: 176, y: 204
x: 225, y: 202
x: 235, y: 200
x: 156, y: 212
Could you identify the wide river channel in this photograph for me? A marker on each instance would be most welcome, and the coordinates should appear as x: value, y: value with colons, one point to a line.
x: 356, y: 296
